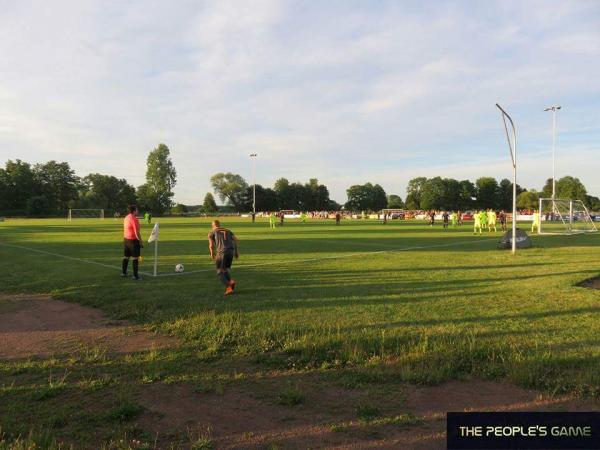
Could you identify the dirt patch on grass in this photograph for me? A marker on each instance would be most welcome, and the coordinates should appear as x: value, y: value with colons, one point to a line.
x: 37, y: 325
x: 592, y: 283
x: 252, y: 416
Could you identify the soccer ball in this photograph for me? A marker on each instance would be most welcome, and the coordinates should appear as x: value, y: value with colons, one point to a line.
x: 179, y: 268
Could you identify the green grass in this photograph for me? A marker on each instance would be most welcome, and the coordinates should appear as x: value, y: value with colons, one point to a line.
x: 425, y: 304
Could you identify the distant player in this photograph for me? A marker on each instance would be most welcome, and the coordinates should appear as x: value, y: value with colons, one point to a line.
x: 454, y: 219
x: 459, y: 218
x: 223, y: 247
x: 477, y: 223
x: 132, y: 242
x: 281, y: 218
x: 491, y: 220
x: 502, y: 218
x: 536, y: 222
x: 431, y: 218
x: 445, y: 217
x: 272, y: 220
x: 303, y: 217
x: 483, y: 218
x: 338, y: 218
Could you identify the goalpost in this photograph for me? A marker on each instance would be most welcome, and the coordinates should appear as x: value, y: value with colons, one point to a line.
x: 85, y: 214
x: 564, y: 216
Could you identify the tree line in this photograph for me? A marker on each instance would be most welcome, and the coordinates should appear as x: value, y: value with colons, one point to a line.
x: 449, y: 194
x: 235, y: 191
x: 52, y: 188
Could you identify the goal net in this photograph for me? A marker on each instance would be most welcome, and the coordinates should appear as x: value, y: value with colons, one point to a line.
x: 564, y: 216
x: 86, y: 214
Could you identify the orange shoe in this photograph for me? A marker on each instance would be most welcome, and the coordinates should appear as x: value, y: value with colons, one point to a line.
x: 232, y: 284
x: 228, y: 291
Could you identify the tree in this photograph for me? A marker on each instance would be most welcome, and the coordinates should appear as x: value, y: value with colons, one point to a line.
x: 592, y: 203
x: 20, y: 184
x: 179, y: 208
x: 394, y: 202
x: 284, y: 193
x: 378, y: 198
x: 105, y: 191
x: 38, y: 205
x: 528, y: 200
x: 3, y: 190
x: 505, y: 194
x: 366, y: 197
x: 413, y: 191
x: 161, y: 178
x: 467, y: 193
x: 230, y: 187
x: 144, y: 198
x: 266, y: 199
x: 567, y: 187
x: 547, y: 189
x: 412, y: 202
x: 433, y: 194
x: 209, y: 205
x: 359, y: 197
x: 487, y: 192
x: 571, y: 188
x: 58, y: 183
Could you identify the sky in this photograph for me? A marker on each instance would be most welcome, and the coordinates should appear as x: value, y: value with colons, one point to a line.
x: 344, y: 91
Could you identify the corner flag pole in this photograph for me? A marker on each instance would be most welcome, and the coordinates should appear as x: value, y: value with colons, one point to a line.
x: 512, y: 147
x: 154, y: 238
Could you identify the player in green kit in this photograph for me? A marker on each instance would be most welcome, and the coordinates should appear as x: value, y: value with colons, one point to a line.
x: 491, y: 220
x: 303, y: 217
x: 477, y: 222
x: 483, y: 218
x: 272, y: 220
x: 536, y: 222
x: 454, y: 219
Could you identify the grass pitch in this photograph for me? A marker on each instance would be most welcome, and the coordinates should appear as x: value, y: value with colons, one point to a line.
x: 428, y: 305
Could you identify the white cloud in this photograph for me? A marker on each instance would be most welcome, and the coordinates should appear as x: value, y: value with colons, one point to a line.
x: 345, y: 93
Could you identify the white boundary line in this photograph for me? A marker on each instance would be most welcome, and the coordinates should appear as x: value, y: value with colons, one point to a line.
x: 72, y: 258
x: 349, y: 255
x: 270, y: 263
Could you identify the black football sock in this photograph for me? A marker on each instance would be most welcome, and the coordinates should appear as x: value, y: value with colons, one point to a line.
x: 222, y: 278
x: 227, y: 276
x: 136, y: 264
x: 125, y: 264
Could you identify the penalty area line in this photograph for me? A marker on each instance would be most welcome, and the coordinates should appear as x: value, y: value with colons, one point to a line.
x: 72, y: 258
x: 324, y: 258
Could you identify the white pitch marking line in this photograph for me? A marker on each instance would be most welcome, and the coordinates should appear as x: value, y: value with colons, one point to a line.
x: 72, y: 258
x: 349, y: 255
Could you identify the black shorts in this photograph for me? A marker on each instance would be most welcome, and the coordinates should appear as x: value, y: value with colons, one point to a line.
x: 131, y: 248
x: 224, y: 260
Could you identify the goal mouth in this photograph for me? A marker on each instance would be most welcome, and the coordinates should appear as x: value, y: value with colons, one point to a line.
x: 564, y: 217
x: 85, y: 213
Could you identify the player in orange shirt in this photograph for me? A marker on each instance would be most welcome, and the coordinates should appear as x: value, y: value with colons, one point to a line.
x: 132, y: 242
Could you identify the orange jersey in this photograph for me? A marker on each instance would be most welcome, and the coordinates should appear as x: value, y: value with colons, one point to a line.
x: 131, y: 227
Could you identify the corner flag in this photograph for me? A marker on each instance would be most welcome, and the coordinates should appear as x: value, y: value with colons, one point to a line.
x: 154, y: 235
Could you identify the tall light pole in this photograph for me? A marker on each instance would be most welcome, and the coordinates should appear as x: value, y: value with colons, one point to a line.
x: 512, y: 147
x: 253, y: 156
x: 553, y: 108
